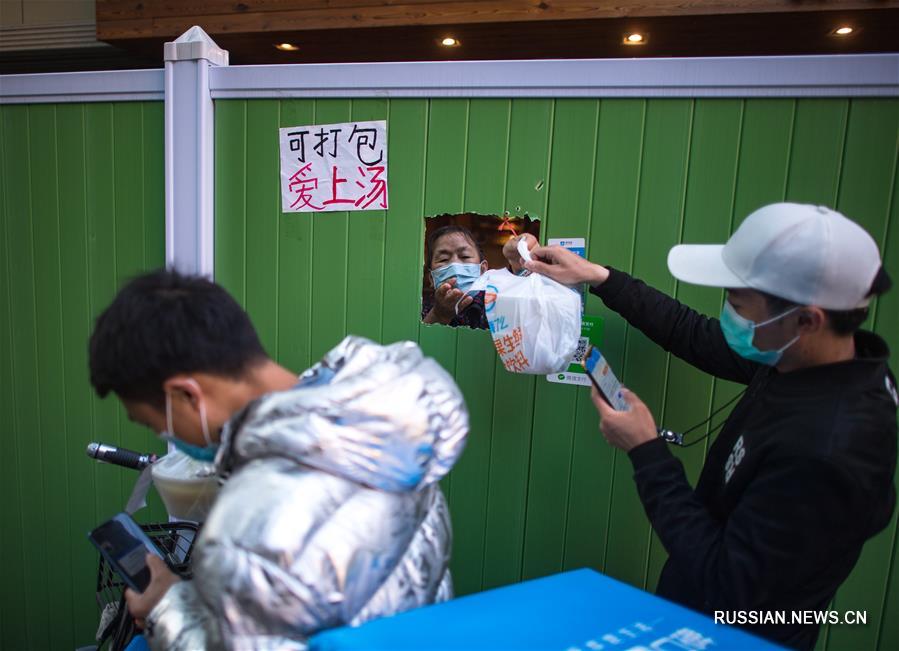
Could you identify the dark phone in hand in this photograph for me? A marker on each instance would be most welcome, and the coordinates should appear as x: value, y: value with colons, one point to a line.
x: 124, y: 545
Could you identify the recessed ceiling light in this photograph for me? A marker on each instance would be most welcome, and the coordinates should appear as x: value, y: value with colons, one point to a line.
x: 845, y: 30
x: 635, y: 38
x: 449, y: 41
x: 286, y: 47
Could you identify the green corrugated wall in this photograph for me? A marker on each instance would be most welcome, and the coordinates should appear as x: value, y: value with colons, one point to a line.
x: 537, y: 490
x: 82, y: 210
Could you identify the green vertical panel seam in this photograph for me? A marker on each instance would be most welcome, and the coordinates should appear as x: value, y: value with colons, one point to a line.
x: 579, y: 394
x: 12, y: 360
x: 424, y: 184
x: 278, y: 217
x: 87, y: 258
x: 310, y: 311
x: 243, y: 218
x: 89, y: 227
x: 143, y: 188
x: 549, y: 163
x: 627, y: 330
x: 789, y: 157
x: 37, y: 370
x: 886, y: 227
x: 346, y: 246
x: 892, y: 560
x: 62, y: 357
x: 115, y: 264
x: 383, y: 268
x: 506, y: 159
x: 839, y: 179
x: 5, y: 270
x: 87, y: 282
x: 533, y: 397
x: 733, y: 207
x: 680, y: 238
x: 346, y: 252
x: 464, y: 180
x: 464, y: 186
x: 490, y: 448
x: 886, y: 224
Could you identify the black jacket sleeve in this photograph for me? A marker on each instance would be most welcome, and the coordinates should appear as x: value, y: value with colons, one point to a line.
x: 790, y: 522
x: 694, y: 338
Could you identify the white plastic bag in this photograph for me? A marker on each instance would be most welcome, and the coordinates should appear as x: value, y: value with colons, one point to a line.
x: 535, y: 321
x: 187, y: 487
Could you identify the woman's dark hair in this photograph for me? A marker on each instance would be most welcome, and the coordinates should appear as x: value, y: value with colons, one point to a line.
x: 163, y: 323
x: 449, y: 230
x: 842, y: 322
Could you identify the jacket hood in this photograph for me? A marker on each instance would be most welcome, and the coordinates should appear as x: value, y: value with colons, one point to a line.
x: 382, y: 416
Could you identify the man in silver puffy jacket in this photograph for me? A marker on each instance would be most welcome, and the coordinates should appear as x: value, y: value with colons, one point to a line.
x: 330, y: 513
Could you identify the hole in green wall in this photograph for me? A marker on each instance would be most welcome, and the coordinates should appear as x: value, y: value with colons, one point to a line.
x: 467, y: 238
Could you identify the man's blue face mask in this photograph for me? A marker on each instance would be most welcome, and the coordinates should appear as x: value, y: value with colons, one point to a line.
x: 740, y: 331
x: 199, y: 452
x: 464, y: 273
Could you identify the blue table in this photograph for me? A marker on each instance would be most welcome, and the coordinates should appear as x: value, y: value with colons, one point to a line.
x: 581, y: 610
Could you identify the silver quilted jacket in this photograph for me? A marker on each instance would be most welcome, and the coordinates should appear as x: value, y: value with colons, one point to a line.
x: 331, y: 513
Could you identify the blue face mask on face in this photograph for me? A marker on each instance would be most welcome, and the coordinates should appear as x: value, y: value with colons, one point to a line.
x: 464, y: 273
x: 199, y: 452
x: 740, y: 331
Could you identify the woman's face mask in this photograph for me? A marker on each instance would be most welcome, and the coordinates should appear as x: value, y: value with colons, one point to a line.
x: 464, y: 273
x: 200, y: 453
x: 740, y: 332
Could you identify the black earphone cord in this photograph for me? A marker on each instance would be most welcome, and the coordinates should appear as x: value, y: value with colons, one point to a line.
x: 711, y: 416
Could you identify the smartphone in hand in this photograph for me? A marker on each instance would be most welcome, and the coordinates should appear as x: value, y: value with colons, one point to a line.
x: 124, y: 545
x: 600, y: 374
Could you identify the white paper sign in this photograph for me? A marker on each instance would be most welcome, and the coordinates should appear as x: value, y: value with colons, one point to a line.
x: 327, y: 167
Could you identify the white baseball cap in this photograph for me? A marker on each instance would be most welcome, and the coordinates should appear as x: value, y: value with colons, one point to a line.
x: 806, y: 254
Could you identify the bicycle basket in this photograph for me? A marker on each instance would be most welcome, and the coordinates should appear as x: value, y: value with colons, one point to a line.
x: 175, y: 540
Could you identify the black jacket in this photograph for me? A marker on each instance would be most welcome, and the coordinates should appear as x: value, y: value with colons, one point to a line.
x: 798, y: 479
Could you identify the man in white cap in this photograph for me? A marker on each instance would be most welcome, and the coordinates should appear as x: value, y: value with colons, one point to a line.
x: 801, y: 475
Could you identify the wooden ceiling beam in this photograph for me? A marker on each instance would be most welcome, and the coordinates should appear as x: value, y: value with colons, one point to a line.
x: 139, y: 19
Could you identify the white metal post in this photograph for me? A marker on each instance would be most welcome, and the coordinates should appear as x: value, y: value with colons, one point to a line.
x: 189, y: 152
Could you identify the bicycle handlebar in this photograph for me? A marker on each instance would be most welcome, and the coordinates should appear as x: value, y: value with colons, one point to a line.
x: 119, y: 456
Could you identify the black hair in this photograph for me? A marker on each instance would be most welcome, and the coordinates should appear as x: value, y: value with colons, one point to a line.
x: 449, y: 230
x: 842, y: 322
x: 163, y: 323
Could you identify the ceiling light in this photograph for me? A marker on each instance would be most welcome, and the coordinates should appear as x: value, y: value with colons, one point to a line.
x: 635, y: 38
x: 286, y: 47
x: 449, y: 41
x: 845, y: 30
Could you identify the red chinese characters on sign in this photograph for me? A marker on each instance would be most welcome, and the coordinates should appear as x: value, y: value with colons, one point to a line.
x: 303, y: 186
x: 334, y: 167
x: 510, y: 351
x: 378, y: 191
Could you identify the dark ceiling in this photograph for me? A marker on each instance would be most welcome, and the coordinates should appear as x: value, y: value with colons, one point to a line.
x: 783, y: 33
